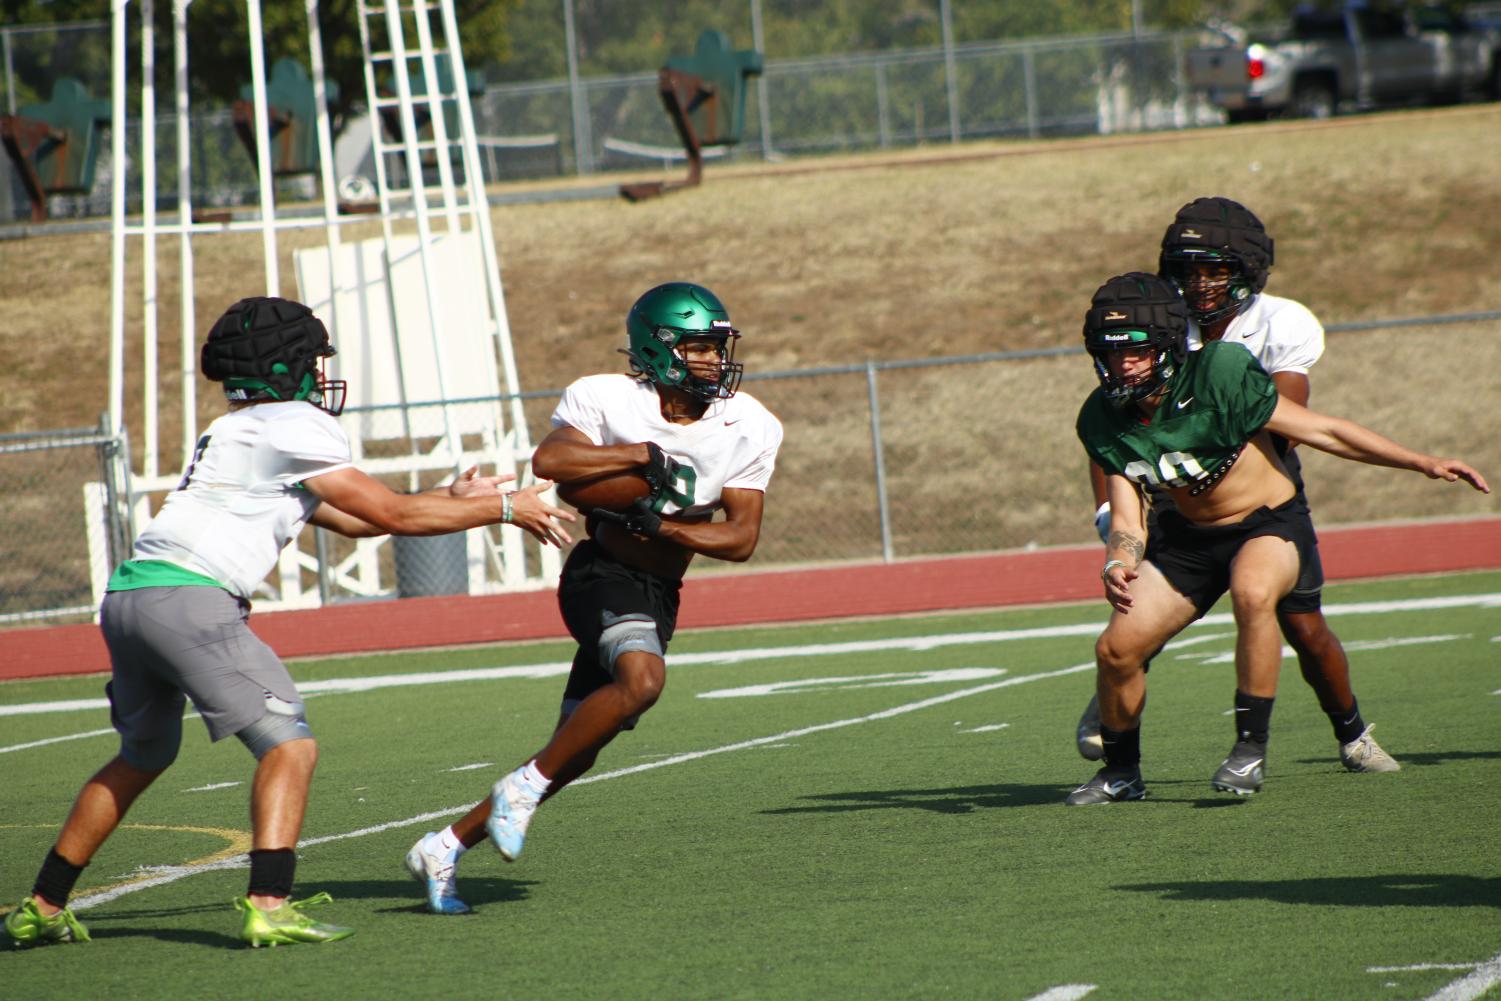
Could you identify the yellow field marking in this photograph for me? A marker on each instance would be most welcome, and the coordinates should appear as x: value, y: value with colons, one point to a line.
x: 239, y: 843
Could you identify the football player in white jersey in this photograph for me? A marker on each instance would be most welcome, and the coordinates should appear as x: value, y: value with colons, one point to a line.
x: 1218, y: 253
x: 704, y: 447
x: 174, y: 615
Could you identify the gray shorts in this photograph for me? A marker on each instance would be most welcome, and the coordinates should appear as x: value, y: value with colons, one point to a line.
x: 169, y: 642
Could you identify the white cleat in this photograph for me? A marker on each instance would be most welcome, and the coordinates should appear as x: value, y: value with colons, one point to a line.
x: 512, y: 803
x: 1363, y: 754
x: 437, y: 873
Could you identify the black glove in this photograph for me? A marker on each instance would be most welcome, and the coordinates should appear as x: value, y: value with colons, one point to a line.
x: 638, y: 518
x: 659, y: 471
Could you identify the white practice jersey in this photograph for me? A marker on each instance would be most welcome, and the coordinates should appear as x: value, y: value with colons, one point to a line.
x: 240, y: 501
x: 733, y: 446
x: 1283, y: 334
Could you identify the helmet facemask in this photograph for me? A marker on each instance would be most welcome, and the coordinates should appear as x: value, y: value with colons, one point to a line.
x: 1119, y: 390
x: 1210, y: 232
x: 656, y: 342
x: 268, y: 349
x: 1208, y: 298
x: 1133, y: 312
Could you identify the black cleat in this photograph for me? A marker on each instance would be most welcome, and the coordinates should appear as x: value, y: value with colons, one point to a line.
x: 1109, y: 785
x: 1243, y: 771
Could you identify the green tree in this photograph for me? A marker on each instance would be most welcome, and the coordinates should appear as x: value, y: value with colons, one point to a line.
x: 219, y: 42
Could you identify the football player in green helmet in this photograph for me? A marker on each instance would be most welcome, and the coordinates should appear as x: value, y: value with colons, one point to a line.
x: 706, y: 453
x: 1238, y: 522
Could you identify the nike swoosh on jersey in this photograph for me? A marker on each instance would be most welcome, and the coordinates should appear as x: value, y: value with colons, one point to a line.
x: 1184, y: 403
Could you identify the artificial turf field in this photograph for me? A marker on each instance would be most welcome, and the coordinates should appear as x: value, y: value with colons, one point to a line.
x: 863, y: 809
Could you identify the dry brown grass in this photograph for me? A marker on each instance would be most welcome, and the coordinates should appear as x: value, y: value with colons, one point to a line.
x: 985, y: 248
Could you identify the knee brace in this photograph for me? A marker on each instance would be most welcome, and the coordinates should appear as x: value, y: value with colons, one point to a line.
x: 625, y: 634
x: 283, y: 721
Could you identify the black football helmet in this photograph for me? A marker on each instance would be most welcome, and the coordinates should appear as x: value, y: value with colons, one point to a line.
x: 264, y: 348
x: 1210, y: 231
x: 1136, y: 310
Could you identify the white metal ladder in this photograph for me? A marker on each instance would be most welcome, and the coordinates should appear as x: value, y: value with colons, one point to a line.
x: 401, y: 42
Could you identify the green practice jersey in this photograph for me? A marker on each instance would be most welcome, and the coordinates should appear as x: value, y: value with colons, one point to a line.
x: 1219, y: 400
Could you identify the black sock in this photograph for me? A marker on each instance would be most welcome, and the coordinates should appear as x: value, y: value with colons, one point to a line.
x: 1122, y: 747
x: 55, y: 880
x: 271, y: 872
x: 1347, y: 724
x: 1253, y: 717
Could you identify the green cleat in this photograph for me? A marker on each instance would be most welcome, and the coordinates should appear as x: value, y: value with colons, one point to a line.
x: 287, y: 925
x: 27, y: 925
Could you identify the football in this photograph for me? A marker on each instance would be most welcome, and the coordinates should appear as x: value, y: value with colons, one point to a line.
x: 613, y: 492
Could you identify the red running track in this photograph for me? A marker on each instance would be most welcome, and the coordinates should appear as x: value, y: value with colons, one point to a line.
x: 753, y: 597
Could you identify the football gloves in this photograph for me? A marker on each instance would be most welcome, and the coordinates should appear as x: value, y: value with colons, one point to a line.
x: 659, y: 471
x: 639, y: 518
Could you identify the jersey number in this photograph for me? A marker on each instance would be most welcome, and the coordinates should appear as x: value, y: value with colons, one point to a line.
x: 198, y: 450
x: 1174, y: 469
x: 679, y: 490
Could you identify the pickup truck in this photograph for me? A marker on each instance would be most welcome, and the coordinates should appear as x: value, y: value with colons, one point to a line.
x: 1357, y: 56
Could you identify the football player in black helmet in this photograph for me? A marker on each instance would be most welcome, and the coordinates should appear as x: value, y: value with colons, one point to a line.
x: 175, y: 614
x: 1218, y: 253
x: 1199, y: 431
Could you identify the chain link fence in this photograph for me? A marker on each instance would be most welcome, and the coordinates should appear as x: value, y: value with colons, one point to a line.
x: 883, y: 460
x: 62, y: 521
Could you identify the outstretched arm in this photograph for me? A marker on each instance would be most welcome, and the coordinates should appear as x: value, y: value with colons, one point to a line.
x: 358, y: 505
x: 1349, y: 440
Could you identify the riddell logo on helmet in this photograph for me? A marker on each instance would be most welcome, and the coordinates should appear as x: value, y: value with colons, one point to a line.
x: 716, y: 324
x: 1113, y: 315
x: 1118, y: 337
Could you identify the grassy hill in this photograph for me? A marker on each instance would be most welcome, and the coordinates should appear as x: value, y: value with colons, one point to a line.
x: 933, y: 252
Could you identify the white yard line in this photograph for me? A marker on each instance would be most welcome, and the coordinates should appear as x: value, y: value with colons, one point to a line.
x: 171, y: 875
x: 726, y: 657
x: 1064, y: 992
x: 1472, y: 985
x: 55, y: 740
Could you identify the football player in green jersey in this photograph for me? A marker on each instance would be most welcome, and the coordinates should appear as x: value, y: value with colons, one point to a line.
x: 1199, y: 425
x: 1218, y: 254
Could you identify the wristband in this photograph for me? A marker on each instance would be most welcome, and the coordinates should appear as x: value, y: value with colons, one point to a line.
x: 508, y: 510
x: 1109, y: 566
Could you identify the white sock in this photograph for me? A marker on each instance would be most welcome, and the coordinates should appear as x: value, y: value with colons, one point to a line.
x: 447, y: 844
x: 534, y: 778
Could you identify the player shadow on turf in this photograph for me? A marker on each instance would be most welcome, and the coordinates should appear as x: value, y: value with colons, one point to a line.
x: 958, y: 799
x: 406, y: 894
x: 146, y: 923
x: 1394, y: 890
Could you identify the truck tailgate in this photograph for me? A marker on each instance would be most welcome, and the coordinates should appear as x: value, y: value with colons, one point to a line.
x: 1220, y: 68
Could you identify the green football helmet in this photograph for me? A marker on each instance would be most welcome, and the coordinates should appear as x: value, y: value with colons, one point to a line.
x: 666, y: 316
